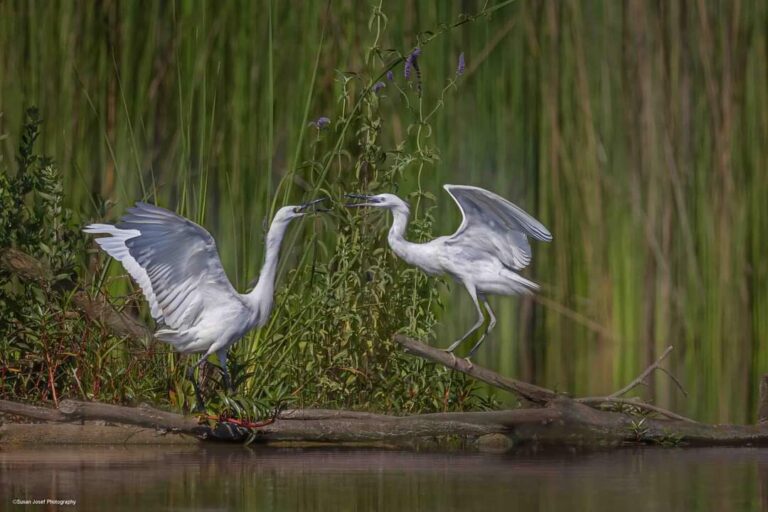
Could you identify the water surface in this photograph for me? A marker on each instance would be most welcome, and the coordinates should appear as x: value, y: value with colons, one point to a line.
x: 266, y: 479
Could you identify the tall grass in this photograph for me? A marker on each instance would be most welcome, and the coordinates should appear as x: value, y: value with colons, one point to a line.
x: 636, y: 131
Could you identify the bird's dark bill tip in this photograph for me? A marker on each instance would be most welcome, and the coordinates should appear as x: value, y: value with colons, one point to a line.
x: 367, y: 200
x: 311, y: 206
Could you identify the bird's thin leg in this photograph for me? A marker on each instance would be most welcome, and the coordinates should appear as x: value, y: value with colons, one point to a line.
x: 199, y: 405
x: 222, y: 355
x: 472, y: 293
x: 491, y: 325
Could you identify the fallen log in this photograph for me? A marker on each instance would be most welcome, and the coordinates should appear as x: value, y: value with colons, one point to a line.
x: 562, y: 422
x: 88, y: 434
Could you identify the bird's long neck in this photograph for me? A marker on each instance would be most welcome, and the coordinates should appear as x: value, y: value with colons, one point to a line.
x: 396, y: 237
x: 261, y: 297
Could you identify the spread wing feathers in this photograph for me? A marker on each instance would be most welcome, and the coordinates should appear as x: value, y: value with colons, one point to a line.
x: 493, y: 224
x: 115, y: 246
x: 177, y: 257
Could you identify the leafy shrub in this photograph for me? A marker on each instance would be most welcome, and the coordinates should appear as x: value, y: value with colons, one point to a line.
x: 48, y: 350
x: 332, y: 335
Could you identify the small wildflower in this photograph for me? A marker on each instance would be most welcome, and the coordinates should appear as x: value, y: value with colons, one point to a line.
x: 461, y: 66
x: 377, y: 87
x: 320, y: 123
x: 412, y: 62
x: 390, y: 75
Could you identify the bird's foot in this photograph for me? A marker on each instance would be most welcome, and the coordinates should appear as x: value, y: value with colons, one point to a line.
x: 469, y: 363
x: 453, y: 356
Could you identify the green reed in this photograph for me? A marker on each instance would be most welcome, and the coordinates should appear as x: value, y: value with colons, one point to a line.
x: 635, y: 132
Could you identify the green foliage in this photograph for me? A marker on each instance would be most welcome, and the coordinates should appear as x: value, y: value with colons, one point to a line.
x: 670, y: 440
x: 332, y: 334
x: 47, y: 350
x: 32, y: 216
x: 639, y: 430
x: 32, y: 219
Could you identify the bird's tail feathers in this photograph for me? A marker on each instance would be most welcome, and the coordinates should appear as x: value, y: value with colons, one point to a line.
x: 173, y: 337
x: 524, y: 286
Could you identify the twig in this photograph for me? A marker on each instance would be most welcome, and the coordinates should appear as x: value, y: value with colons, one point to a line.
x: 674, y: 379
x: 575, y: 316
x: 641, y: 378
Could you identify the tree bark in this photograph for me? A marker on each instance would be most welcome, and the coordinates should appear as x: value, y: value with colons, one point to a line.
x: 530, y: 392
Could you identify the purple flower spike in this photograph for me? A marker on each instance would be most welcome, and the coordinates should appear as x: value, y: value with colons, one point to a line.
x: 377, y: 87
x: 412, y: 62
x: 461, y: 66
x: 390, y: 75
x: 321, y: 122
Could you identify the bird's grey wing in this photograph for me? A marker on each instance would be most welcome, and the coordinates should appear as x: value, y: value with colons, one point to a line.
x: 181, y: 261
x: 115, y: 246
x: 495, y: 225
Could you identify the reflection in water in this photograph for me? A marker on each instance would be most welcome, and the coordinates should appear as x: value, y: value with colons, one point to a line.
x: 263, y: 479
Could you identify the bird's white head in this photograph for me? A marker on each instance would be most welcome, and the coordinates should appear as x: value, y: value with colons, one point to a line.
x: 386, y: 201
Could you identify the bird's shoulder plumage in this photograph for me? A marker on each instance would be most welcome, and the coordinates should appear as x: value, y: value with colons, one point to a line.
x: 495, y: 225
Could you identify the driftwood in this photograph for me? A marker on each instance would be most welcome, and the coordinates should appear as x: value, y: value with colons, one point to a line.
x: 561, y: 422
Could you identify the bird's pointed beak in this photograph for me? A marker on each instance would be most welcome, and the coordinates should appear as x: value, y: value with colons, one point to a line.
x: 311, y: 207
x: 368, y: 200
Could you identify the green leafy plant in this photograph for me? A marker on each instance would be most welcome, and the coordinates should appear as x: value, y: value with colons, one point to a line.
x: 639, y: 430
x: 48, y: 350
x: 332, y: 334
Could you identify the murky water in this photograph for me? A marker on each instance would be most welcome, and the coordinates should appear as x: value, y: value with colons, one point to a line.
x: 237, y: 478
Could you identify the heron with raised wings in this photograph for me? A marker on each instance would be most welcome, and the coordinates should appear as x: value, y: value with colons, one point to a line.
x: 483, y: 255
x: 175, y: 263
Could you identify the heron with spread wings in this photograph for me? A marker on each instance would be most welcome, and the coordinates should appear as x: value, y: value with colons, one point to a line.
x: 177, y: 266
x: 483, y: 255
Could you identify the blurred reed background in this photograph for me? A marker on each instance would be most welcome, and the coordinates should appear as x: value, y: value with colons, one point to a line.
x: 635, y: 130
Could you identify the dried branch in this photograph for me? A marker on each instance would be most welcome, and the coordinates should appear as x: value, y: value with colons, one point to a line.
x: 531, y: 392
x: 641, y: 378
x: 525, y: 390
x: 98, y: 308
